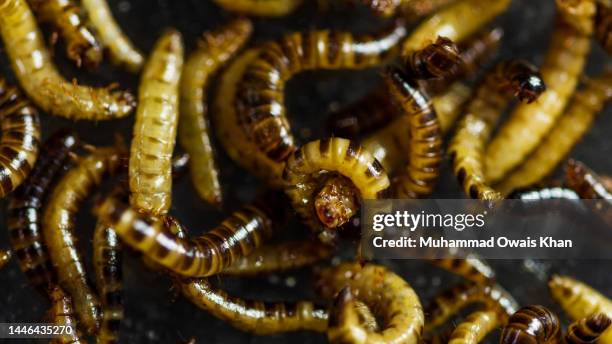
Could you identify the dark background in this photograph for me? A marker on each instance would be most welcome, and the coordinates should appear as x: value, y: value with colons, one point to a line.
x: 153, y: 314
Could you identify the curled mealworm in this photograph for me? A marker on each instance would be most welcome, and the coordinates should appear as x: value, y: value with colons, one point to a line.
x: 255, y: 316
x: 262, y: 8
x: 122, y: 51
x: 150, y: 170
x: 40, y: 79
x: 568, y: 130
x: 66, y: 16
x: 260, y: 102
x: 202, y: 256
x: 474, y: 328
x: 467, y: 147
x: 561, y: 69
x: 384, y: 292
x: 603, y: 26
x: 20, y: 138
x: 326, y: 181
x: 532, y: 324
x: 61, y: 313
x: 214, y: 50
x: 587, y: 330
x: 58, y: 229
x: 5, y: 257
x: 109, y: 280
x: 24, y: 212
x: 277, y: 258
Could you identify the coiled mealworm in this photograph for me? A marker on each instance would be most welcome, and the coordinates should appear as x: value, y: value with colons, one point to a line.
x: 327, y: 179
x: 532, y: 324
x: 5, y: 257
x: 66, y: 16
x: 202, y: 256
x: 579, y: 300
x: 20, y: 140
x: 384, y: 292
x: 109, y: 280
x: 425, y: 143
x: 255, y: 316
x: 260, y: 100
x: 122, y: 51
x: 214, y: 50
x: 150, y: 170
x: 474, y: 328
x: 603, y: 26
x: 24, y: 212
x: 560, y: 71
x: 587, y: 330
x: 58, y: 229
x: 61, y: 313
x: 568, y: 130
x: 467, y: 147
x: 281, y: 257
x: 262, y: 8
x: 40, y: 79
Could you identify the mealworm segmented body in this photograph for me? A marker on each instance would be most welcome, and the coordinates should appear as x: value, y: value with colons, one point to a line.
x: 261, y: 8
x: 150, y: 167
x: 5, y: 257
x: 20, y: 138
x: 25, y: 207
x: 603, y: 26
x: 40, y: 79
x: 384, y: 292
x: 467, y: 147
x: 474, y: 328
x: 587, y: 330
x: 532, y: 324
x: 327, y: 179
x: 109, y: 280
x: 255, y: 316
x: 58, y: 229
x: 82, y: 45
x: 260, y: 102
x: 122, y: 51
x: 569, y: 129
x: 472, y: 268
x: 214, y: 50
x: 561, y: 69
x: 62, y: 313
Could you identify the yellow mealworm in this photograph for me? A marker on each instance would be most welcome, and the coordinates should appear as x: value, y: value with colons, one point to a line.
x: 384, y: 292
x: 40, y: 79
x: 122, y: 51
x: 150, y: 167
x: 472, y: 268
x: 61, y: 313
x: 560, y: 70
x: 569, y: 129
x: 475, y: 328
x: 587, y: 330
x: 467, y: 147
x: 532, y: 325
x: 58, y: 229
x: 327, y: 179
x: 255, y: 316
x: 261, y: 8
x: 214, y: 50
x: 66, y: 16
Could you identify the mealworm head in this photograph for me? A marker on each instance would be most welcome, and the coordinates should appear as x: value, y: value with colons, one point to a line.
x: 531, y: 324
x: 530, y: 88
x: 444, y: 54
x: 336, y: 202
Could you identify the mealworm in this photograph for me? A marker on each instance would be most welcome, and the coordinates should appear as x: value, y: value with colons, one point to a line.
x: 122, y: 51
x: 214, y: 50
x: 24, y: 211
x: 40, y: 79
x: 66, y: 17
x: 386, y: 293
x: 109, y: 280
x: 532, y: 324
x: 603, y: 26
x: 203, y: 256
x: 281, y: 257
x: 448, y: 303
x: 569, y: 129
x: 425, y: 136
x: 327, y: 179
x: 579, y: 300
x: 587, y: 330
x: 475, y: 328
x: 261, y: 8
x: 154, y: 136
x: 255, y: 316
x: 260, y: 100
x: 436, y: 60
x: 560, y: 70
x: 61, y: 313
x: 467, y: 147
x: 544, y: 194
x: 589, y: 185
x: 58, y: 229
x: 20, y: 140
x: 473, y: 268
x: 5, y: 257
x: 455, y: 22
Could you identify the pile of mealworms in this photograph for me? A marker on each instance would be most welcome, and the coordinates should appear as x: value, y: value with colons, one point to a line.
x: 389, y: 144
